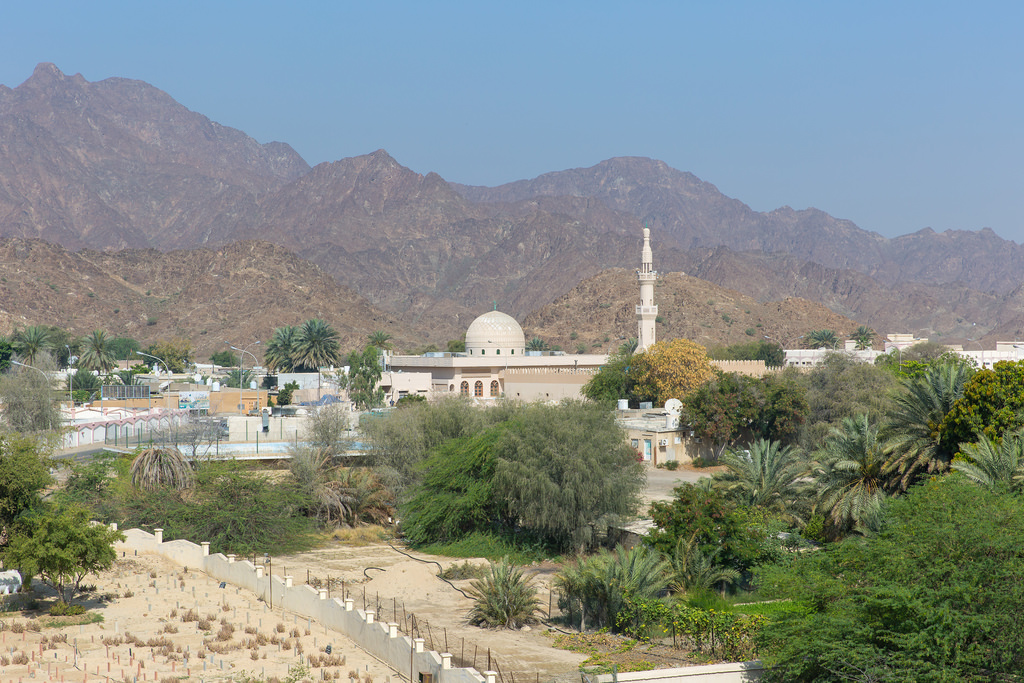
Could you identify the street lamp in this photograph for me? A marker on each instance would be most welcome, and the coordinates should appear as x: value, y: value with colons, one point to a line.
x: 49, y: 418
x: 148, y: 355
x: 241, y: 360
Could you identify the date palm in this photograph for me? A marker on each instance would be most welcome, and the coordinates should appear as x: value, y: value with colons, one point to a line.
x: 280, y: 350
x: 848, y: 473
x: 693, y: 570
x: 768, y: 475
x: 912, y: 435
x: 97, y: 353
x: 316, y: 345
x: 821, y: 339
x: 504, y: 598
x: 31, y: 342
x: 997, y: 466
x: 863, y: 337
x: 536, y: 344
x: 380, y: 339
x: 155, y: 468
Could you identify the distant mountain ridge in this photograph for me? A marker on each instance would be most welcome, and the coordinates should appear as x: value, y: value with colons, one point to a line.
x: 118, y: 163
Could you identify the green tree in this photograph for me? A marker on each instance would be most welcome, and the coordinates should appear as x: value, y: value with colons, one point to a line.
x: 279, y: 354
x: 536, y: 344
x: 380, y: 339
x: 97, y: 353
x: 83, y: 380
x: 992, y: 404
x: 821, y: 339
x: 847, y: 473
x: 30, y: 403
x: 24, y: 473
x: 237, y: 377
x: 767, y: 475
x: 772, y: 354
x: 913, y: 435
x: 863, y: 337
x: 284, y: 394
x: 364, y: 372
x: 612, y: 381
x: 504, y: 598
x: 124, y: 348
x: 670, y: 369
x: 62, y: 548
x: 175, y: 352
x: 316, y: 346
x: 696, y: 571
x: 224, y: 358
x: 6, y: 351
x: 456, y: 345
x: 997, y: 465
x: 32, y: 341
x: 934, y: 596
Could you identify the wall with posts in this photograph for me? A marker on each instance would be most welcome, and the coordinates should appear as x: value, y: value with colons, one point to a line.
x: 380, y: 640
x: 733, y: 672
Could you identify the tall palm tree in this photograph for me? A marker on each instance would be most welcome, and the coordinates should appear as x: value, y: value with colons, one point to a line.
x: 912, y: 435
x: 768, y: 475
x: 32, y: 341
x: 280, y: 350
x: 864, y: 337
x: 316, y: 345
x: 380, y: 339
x: 994, y: 465
x: 848, y: 474
x: 821, y: 339
x: 97, y: 353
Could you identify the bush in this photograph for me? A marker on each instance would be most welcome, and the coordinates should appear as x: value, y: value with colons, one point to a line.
x: 63, y: 609
x: 505, y: 598
x: 672, y: 465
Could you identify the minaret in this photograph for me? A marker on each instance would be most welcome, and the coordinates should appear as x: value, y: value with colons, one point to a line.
x: 647, y: 311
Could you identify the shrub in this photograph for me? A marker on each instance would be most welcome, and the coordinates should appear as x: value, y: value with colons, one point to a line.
x: 63, y: 609
x: 672, y: 465
x: 505, y: 598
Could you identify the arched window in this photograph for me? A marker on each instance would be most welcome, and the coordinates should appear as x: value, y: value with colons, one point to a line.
x: 464, y: 388
x: 478, y: 389
x: 498, y: 352
x: 495, y: 390
x: 513, y: 352
x: 483, y: 352
x: 451, y: 387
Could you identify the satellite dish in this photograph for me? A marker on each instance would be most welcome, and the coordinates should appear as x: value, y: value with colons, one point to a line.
x: 673, y: 406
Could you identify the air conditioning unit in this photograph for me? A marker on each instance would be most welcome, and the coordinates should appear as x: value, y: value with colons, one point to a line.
x: 663, y: 442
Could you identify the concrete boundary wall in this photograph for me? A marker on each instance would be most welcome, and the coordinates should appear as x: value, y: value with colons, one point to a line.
x: 380, y: 640
x: 733, y: 672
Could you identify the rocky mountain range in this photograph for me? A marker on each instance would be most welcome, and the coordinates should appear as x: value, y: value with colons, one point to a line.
x: 118, y: 164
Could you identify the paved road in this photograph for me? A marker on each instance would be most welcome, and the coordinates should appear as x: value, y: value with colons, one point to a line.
x: 661, y: 482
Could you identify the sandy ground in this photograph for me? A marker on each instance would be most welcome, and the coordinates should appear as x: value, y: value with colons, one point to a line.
x: 148, y: 634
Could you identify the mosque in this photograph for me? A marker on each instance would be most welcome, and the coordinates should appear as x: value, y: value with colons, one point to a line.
x: 496, y: 363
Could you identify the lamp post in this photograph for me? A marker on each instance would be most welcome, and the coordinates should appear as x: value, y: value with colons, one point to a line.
x: 241, y: 360
x: 148, y: 355
x: 49, y: 419
x: 71, y: 396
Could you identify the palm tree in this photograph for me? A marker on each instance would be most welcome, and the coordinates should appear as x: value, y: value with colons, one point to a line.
x: 316, y: 345
x: 848, y: 474
x: 767, y: 475
x: 31, y: 342
x: 864, y: 337
x: 280, y: 350
x: 97, y: 353
x: 693, y: 570
x: 155, y: 468
x: 822, y: 339
x: 233, y: 380
x: 504, y: 598
x: 995, y: 465
x: 380, y: 339
x: 912, y: 435
x: 536, y: 344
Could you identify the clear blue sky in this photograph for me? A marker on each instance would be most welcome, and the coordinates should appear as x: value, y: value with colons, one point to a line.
x: 896, y: 115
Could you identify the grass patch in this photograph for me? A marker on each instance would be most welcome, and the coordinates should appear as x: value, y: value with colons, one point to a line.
x: 769, y: 609
x: 76, y: 620
x: 361, y: 535
x: 490, y: 546
x: 604, y: 651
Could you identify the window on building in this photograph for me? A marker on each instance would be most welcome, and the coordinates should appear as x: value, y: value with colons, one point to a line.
x: 494, y: 387
x: 451, y: 387
x: 483, y: 352
x: 635, y: 443
x: 497, y: 352
x: 478, y: 389
x: 464, y: 389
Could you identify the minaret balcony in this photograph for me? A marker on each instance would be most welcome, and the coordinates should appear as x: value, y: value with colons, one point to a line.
x: 647, y: 277
x: 647, y: 310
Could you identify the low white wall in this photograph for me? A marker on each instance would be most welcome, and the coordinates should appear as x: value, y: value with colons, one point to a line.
x: 733, y: 672
x: 306, y: 601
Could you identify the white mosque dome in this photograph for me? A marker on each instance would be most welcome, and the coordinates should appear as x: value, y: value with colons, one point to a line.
x: 495, y: 334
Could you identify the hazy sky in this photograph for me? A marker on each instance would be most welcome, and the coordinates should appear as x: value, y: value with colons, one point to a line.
x: 895, y: 115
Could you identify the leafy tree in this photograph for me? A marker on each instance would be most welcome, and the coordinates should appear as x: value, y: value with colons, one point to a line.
x: 456, y: 345
x: 670, y: 369
x: 934, y: 596
x: 175, y: 352
x: 24, y: 473
x: 772, y: 354
x: 29, y: 402
x: 155, y: 468
x: 916, y: 360
x: 913, y: 434
x: 124, y: 348
x: 279, y: 354
x: 284, y: 394
x: 997, y: 465
x: 224, y: 358
x: 767, y: 475
x: 848, y: 475
x: 316, y: 346
x: 62, y: 548
x: 237, y: 377
x: 598, y: 588
x: 821, y: 339
x: 32, y: 341
x: 6, y: 351
x: 612, y: 381
x: 380, y: 339
x: 992, y: 404
x: 364, y: 374
x: 504, y: 598
x: 96, y: 353
x: 863, y: 337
